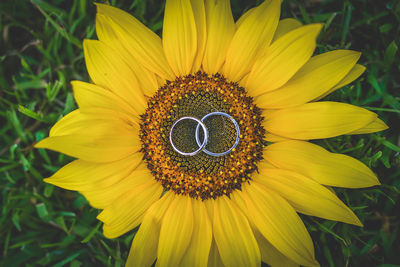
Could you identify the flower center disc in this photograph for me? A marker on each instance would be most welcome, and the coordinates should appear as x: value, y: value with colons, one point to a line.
x: 201, y: 176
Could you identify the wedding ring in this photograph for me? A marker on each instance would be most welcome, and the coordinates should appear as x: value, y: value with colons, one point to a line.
x: 237, y: 134
x: 201, y: 146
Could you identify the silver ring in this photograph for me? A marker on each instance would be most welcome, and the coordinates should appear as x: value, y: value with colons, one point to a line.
x: 237, y: 134
x: 201, y: 146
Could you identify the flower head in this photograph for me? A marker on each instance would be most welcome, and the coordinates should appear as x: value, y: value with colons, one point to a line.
x: 235, y: 201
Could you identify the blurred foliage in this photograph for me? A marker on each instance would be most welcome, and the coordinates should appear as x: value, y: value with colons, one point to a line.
x: 41, y: 51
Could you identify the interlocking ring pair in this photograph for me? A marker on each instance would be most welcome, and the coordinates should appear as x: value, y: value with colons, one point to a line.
x: 202, y: 145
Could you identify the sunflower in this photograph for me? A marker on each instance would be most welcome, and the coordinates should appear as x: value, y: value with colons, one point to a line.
x: 238, y: 209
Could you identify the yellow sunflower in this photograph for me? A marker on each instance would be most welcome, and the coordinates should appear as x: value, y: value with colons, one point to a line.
x: 236, y: 209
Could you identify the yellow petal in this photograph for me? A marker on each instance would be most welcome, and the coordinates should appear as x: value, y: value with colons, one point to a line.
x: 107, y: 31
x: 89, y: 95
x: 214, y: 259
x: 82, y: 175
x: 91, y: 121
x: 320, y: 165
x: 199, y: 13
x: 94, y: 149
x: 267, y: 112
x: 161, y: 81
x: 243, y: 81
x: 279, y: 223
x: 179, y: 36
x: 106, y: 68
x: 375, y: 126
x: 354, y: 73
x: 254, y: 34
x: 140, y: 41
x: 275, y: 138
x: 127, y: 211
x: 270, y: 255
x: 143, y: 251
x: 199, y: 247
x: 316, y: 77
x: 209, y: 204
x: 264, y: 164
x: 101, y: 197
x: 220, y: 30
x: 233, y: 235
x: 94, y: 135
x: 176, y: 232
x: 282, y: 60
x: 236, y: 197
x: 285, y: 26
x: 317, y: 120
x: 244, y: 16
x: 306, y: 195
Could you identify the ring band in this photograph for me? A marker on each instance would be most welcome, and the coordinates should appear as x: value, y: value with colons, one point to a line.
x: 201, y: 146
x: 237, y: 134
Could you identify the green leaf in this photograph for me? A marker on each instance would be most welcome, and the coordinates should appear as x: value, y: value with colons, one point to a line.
x: 91, y: 233
x: 30, y: 113
x: 390, y: 54
x: 42, y: 211
x: 25, y: 65
x: 69, y: 104
x: 13, y: 118
x: 15, y: 220
x: 69, y: 37
x: 48, y: 190
x: 68, y: 259
x: 385, y: 28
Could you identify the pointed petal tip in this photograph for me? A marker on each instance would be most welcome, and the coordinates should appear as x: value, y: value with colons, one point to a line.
x: 50, y: 180
x: 352, y: 52
x: 351, y: 218
x: 355, y: 54
x: 37, y: 145
x: 317, y: 27
x: 101, y: 216
x: 59, y: 182
x: 106, y: 9
x: 315, y: 263
x: 358, y: 223
x: 361, y: 69
x: 375, y: 126
x: 312, y: 29
x: 41, y: 143
x: 383, y: 126
x: 100, y: 6
x: 354, y: 220
x: 374, y: 181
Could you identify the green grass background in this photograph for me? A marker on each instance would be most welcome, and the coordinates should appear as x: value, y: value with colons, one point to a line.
x: 41, y: 51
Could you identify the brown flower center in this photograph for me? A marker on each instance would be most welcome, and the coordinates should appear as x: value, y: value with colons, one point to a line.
x: 201, y: 176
